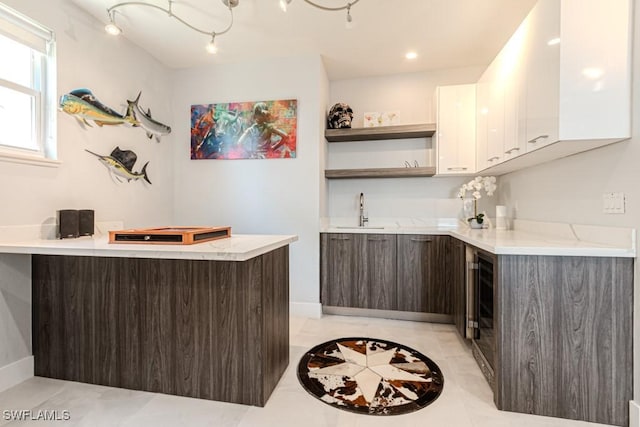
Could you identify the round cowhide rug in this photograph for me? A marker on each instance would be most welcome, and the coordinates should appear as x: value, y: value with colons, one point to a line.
x: 370, y: 376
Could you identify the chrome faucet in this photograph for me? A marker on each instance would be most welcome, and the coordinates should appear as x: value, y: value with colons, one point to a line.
x: 363, y: 219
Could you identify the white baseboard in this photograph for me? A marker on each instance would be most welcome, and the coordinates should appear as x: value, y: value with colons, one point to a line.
x: 306, y: 309
x: 634, y: 414
x: 16, y: 372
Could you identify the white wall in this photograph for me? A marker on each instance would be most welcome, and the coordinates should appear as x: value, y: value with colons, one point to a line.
x: 279, y: 196
x: 412, y: 95
x: 114, y: 70
x: 570, y: 189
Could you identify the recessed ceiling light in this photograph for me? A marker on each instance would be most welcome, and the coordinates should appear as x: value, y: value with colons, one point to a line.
x: 411, y: 55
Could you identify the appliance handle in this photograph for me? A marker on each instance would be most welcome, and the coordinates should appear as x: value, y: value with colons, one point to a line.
x: 471, y: 292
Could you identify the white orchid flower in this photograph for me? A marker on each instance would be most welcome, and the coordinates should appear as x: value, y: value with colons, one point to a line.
x: 476, y: 185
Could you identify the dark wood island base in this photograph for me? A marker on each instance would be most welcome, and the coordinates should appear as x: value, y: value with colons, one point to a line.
x: 214, y: 330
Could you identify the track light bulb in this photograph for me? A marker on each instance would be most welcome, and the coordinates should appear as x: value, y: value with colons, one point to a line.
x: 349, y: 23
x: 284, y: 4
x: 112, y: 29
x: 211, y: 46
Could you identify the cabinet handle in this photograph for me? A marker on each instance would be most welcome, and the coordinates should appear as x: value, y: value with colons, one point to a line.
x: 493, y: 158
x: 418, y: 239
x: 512, y: 150
x: 380, y: 239
x: 458, y: 168
x: 340, y: 238
x: 534, y: 140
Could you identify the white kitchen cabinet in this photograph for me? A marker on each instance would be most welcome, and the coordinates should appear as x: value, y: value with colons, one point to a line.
x: 495, y: 116
x: 490, y: 110
x: 456, y: 129
x: 564, y: 79
x: 482, y: 121
x: 501, y: 104
x: 514, y: 77
x: 542, y: 64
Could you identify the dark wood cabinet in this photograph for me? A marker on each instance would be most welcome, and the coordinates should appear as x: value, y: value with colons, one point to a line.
x: 559, y: 332
x: 564, y: 337
x: 424, y: 278
x: 409, y: 273
x: 358, y: 270
x: 376, y: 271
x: 459, y: 285
x: 338, y: 259
x: 439, y: 290
x: 214, y: 330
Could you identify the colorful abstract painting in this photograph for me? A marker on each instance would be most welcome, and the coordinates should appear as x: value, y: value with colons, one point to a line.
x: 244, y: 130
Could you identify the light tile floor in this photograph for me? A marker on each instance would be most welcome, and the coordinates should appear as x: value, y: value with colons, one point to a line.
x: 466, y: 400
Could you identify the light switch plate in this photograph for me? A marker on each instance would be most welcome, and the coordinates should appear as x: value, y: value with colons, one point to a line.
x: 613, y: 203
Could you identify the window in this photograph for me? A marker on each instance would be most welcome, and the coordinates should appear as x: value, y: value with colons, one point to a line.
x: 27, y: 90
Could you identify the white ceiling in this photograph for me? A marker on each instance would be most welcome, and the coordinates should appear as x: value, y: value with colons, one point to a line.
x: 444, y: 33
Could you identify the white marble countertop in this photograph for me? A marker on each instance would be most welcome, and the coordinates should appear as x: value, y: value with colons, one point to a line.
x: 527, y: 238
x: 239, y: 247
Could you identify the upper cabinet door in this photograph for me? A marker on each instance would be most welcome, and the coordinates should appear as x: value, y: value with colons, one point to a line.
x: 456, y: 129
x: 495, y: 116
x: 595, y: 70
x: 542, y: 64
x: 514, y: 76
x: 482, y: 120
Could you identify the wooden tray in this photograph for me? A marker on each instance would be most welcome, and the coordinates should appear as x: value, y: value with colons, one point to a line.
x: 169, y: 235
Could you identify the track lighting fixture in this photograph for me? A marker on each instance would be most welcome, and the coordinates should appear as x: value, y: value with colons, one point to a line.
x: 113, y: 29
x: 285, y: 3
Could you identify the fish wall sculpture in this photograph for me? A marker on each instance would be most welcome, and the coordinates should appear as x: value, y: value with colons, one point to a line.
x: 138, y: 117
x: 120, y: 165
x: 85, y: 107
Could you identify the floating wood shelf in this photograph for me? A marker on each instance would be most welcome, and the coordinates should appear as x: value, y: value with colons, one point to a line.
x: 382, y: 132
x: 379, y: 173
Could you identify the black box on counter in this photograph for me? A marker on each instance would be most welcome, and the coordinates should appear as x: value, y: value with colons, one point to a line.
x: 68, y: 223
x: 73, y: 223
x: 86, y: 222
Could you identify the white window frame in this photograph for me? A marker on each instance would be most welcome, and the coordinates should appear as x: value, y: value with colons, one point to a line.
x: 37, y: 37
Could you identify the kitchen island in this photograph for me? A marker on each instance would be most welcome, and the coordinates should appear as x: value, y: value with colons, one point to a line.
x: 209, y: 320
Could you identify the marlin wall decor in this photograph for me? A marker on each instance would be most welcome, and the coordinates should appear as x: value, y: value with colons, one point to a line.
x: 85, y: 107
x: 120, y: 165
